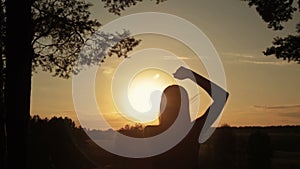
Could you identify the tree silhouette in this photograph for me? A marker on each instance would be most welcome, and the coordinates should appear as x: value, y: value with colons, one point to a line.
x: 116, y: 6
x: 2, y: 114
x: 46, y: 34
x: 54, y: 144
x: 136, y: 130
x: 18, y: 54
x: 287, y: 48
x: 60, y: 30
x: 275, y: 13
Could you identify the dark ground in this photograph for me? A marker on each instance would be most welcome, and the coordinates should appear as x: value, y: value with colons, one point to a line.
x: 58, y: 143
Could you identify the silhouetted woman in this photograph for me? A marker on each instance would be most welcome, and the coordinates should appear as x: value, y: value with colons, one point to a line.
x: 175, y: 101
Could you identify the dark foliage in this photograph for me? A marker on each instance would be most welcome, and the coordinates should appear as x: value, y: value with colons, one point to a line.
x: 136, y: 131
x: 287, y: 48
x: 52, y: 144
x: 275, y: 13
x: 117, y: 6
x: 60, y: 28
x: 102, y: 44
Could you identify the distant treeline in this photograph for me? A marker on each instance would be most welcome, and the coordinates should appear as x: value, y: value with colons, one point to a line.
x: 58, y: 143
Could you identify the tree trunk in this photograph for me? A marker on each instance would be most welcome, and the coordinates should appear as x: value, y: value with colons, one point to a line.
x: 18, y: 80
x: 2, y: 110
x: 2, y: 114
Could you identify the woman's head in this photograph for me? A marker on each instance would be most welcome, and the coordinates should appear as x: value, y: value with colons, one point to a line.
x: 174, y: 100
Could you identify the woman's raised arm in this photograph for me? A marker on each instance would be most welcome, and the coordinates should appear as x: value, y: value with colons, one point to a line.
x: 184, y: 73
x: 217, y: 93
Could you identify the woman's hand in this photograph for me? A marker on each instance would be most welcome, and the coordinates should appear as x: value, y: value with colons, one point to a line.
x: 182, y: 73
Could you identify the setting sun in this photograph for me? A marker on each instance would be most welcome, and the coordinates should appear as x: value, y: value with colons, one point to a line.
x: 145, y: 89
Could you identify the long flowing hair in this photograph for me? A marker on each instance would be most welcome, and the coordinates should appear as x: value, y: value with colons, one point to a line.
x: 174, y: 103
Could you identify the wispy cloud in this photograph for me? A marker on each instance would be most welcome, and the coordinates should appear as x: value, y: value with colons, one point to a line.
x: 238, y: 55
x: 277, y: 107
x: 107, y: 70
x: 276, y: 63
x: 292, y: 111
x: 290, y: 114
x: 184, y: 58
x: 252, y: 59
x: 175, y: 58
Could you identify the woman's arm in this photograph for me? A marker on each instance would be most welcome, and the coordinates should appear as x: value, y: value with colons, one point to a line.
x: 184, y: 73
x: 218, y: 95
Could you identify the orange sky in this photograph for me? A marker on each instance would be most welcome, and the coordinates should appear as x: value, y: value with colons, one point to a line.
x: 263, y: 90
